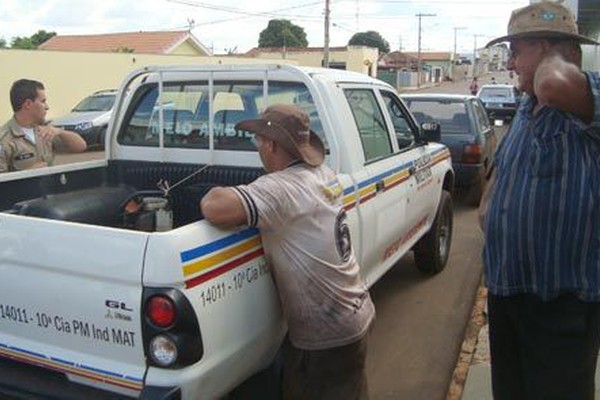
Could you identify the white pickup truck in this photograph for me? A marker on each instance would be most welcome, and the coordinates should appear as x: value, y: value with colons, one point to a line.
x: 112, y: 284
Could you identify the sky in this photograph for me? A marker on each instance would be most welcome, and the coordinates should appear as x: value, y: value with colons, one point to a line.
x: 233, y: 25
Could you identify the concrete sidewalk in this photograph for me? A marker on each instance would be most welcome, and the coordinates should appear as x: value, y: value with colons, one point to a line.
x: 478, y: 385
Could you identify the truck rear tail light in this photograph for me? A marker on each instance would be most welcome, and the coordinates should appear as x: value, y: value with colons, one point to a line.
x: 472, y: 154
x: 163, y: 351
x: 161, y: 311
x: 170, y: 330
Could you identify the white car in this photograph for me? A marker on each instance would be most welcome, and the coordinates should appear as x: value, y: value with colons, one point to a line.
x: 89, y: 118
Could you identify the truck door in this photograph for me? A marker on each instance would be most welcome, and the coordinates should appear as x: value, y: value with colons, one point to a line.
x: 383, y: 191
x: 423, y: 194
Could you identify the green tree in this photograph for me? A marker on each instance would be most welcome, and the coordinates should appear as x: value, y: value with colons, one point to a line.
x: 32, y: 42
x: 2, y: 43
x: 41, y: 36
x: 371, y: 39
x: 280, y: 33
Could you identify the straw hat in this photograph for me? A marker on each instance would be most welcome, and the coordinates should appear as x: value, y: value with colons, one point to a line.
x: 289, y: 126
x: 545, y: 20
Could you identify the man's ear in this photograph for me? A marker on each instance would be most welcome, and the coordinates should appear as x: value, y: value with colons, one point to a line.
x: 26, y: 104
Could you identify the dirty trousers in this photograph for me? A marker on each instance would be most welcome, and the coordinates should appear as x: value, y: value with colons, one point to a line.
x: 336, y: 373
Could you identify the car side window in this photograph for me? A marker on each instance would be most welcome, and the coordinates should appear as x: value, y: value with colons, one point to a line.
x: 370, y: 122
x: 481, y: 115
x: 403, y: 130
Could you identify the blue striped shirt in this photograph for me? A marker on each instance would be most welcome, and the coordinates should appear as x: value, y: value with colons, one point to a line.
x: 543, y: 223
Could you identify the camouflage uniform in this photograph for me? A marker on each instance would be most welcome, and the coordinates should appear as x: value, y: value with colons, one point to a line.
x: 18, y: 153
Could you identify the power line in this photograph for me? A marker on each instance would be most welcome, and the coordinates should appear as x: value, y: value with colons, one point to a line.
x: 273, y: 13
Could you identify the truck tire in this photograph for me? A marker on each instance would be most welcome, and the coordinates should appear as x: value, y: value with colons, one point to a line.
x: 432, y: 250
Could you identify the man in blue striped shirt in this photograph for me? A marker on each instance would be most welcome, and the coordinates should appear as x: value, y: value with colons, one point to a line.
x: 541, y: 217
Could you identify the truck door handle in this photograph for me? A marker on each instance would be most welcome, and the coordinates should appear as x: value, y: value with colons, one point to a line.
x: 379, y: 186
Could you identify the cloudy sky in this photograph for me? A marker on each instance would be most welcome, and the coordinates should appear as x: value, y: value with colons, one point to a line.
x: 233, y: 25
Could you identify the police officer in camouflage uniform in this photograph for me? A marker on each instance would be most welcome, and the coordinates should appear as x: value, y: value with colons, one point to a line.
x: 25, y: 140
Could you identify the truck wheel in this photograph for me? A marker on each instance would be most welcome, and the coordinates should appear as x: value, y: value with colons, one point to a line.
x: 432, y: 250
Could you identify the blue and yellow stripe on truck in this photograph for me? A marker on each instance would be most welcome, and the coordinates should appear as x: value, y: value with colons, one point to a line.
x: 367, y: 189
x: 211, y: 260
x: 216, y: 258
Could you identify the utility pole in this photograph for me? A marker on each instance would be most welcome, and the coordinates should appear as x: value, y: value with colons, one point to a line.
x: 456, y: 28
x: 419, y: 68
x: 326, y: 44
x: 475, y: 53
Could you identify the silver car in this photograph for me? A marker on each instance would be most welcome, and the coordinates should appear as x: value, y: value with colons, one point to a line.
x: 500, y: 101
x: 89, y: 118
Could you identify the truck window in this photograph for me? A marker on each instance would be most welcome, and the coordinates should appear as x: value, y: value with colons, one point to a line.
x: 185, y: 110
x: 399, y: 115
x: 370, y: 123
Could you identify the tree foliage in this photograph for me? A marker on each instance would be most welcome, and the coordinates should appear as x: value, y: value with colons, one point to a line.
x: 123, y: 49
x: 32, y: 42
x: 2, y: 43
x: 282, y: 32
x: 371, y: 39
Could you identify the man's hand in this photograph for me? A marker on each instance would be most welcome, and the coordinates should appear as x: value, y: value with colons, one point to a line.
x: 69, y: 141
x: 48, y: 132
x: 560, y: 84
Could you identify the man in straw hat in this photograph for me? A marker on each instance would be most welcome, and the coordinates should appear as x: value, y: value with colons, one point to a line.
x: 541, y: 217
x: 297, y: 208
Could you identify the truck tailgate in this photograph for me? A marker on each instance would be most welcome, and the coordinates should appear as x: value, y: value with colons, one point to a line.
x: 70, y: 300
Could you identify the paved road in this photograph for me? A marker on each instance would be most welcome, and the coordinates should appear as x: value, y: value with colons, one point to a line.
x: 421, y: 319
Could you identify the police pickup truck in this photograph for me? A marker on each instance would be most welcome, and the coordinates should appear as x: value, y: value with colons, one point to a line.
x: 112, y: 284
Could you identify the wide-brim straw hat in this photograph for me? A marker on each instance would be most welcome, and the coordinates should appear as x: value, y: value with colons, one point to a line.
x: 289, y: 126
x: 544, y: 20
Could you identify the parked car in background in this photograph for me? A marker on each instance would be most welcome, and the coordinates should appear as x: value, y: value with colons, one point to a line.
x: 467, y: 132
x: 89, y: 118
x: 500, y: 101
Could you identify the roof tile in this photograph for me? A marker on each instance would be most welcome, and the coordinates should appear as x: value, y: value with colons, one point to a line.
x: 159, y: 42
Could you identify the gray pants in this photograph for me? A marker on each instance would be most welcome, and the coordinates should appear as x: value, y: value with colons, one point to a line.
x: 336, y: 373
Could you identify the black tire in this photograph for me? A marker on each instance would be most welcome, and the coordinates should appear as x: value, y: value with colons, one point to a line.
x: 433, y: 249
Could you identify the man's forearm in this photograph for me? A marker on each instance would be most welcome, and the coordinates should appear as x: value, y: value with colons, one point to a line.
x: 71, y: 141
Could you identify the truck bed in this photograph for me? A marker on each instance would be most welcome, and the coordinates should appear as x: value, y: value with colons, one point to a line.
x: 97, y: 196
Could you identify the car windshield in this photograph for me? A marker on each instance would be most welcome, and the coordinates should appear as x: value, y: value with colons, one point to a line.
x: 102, y: 102
x: 496, y: 92
x: 451, y: 115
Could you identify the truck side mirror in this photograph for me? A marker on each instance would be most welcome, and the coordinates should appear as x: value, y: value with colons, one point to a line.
x: 431, y: 132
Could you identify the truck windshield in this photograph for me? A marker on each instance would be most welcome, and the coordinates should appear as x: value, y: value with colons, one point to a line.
x: 186, y: 119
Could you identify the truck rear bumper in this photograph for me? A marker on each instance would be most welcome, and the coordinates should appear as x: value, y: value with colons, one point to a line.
x: 27, y: 382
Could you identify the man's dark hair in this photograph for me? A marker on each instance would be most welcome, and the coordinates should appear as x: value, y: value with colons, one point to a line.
x: 22, y: 90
